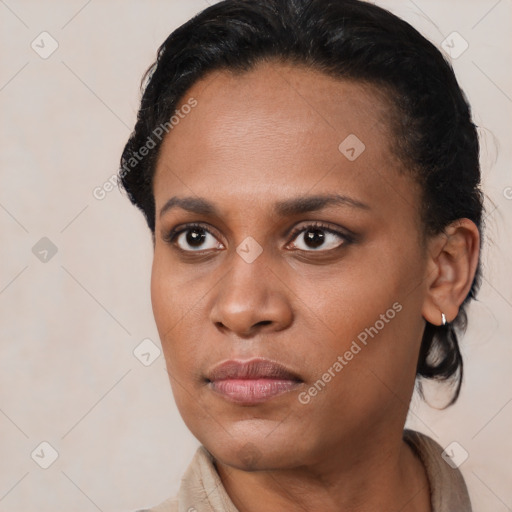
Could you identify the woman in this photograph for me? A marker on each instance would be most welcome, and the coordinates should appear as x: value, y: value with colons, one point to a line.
x: 309, y: 172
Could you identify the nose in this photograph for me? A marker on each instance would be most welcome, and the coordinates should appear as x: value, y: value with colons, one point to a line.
x: 251, y: 299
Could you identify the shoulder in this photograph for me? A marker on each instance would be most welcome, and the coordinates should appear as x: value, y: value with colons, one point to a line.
x: 201, y: 489
x: 447, y: 487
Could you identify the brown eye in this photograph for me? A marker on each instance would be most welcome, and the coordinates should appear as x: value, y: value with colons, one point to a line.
x: 194, y: 238
x: 314, y: 238
x: 317, y: 238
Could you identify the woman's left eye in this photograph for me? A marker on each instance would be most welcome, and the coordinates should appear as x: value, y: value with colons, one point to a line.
x: 318, y: 238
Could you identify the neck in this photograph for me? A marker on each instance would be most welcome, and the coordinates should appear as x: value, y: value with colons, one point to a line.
x: 381, y: 475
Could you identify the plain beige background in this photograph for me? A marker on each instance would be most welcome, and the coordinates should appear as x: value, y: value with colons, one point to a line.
x: 70, y: 321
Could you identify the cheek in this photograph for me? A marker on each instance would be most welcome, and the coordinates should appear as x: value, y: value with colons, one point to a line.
x: 177, y: 309
x: 370, y: 313
x: 169, y: 304
x: 161, y: 296
x: 167, y: 311
x: 172, y: 298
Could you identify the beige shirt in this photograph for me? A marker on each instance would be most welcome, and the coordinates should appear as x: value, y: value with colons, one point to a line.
x: 201, y: 489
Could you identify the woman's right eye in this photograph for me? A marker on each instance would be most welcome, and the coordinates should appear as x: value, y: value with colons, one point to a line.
x: 194, y: 238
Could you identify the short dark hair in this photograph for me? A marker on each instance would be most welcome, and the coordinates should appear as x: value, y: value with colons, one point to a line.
x: 434, y: 136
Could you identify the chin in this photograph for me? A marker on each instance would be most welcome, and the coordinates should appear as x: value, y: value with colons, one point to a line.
x: 256, y: 452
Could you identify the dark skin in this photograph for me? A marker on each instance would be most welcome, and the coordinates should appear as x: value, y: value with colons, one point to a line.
x: 253, y: 140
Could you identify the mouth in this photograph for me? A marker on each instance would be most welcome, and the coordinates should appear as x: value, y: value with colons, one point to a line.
x: 253, y: 381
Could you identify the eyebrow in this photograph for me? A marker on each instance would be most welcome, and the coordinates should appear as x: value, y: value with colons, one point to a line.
x: 288, y: 207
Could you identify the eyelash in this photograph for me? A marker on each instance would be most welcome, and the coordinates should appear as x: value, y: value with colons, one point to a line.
x: 171, y: 236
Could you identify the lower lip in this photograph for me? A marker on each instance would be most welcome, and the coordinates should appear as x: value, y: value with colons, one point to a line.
x: 252, y: 391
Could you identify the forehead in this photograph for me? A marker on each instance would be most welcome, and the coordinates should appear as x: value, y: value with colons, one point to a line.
x: 277, y: 130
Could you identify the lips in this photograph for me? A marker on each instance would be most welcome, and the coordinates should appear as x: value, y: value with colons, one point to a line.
x: 257, y: 368
x: 253, y: 381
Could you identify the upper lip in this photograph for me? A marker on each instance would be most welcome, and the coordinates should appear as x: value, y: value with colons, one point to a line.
x: 256, y: 368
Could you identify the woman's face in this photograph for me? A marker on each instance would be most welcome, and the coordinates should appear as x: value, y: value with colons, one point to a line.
x: 330, y: 289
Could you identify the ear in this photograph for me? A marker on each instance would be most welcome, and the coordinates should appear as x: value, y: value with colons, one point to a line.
x: 452, y: 262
